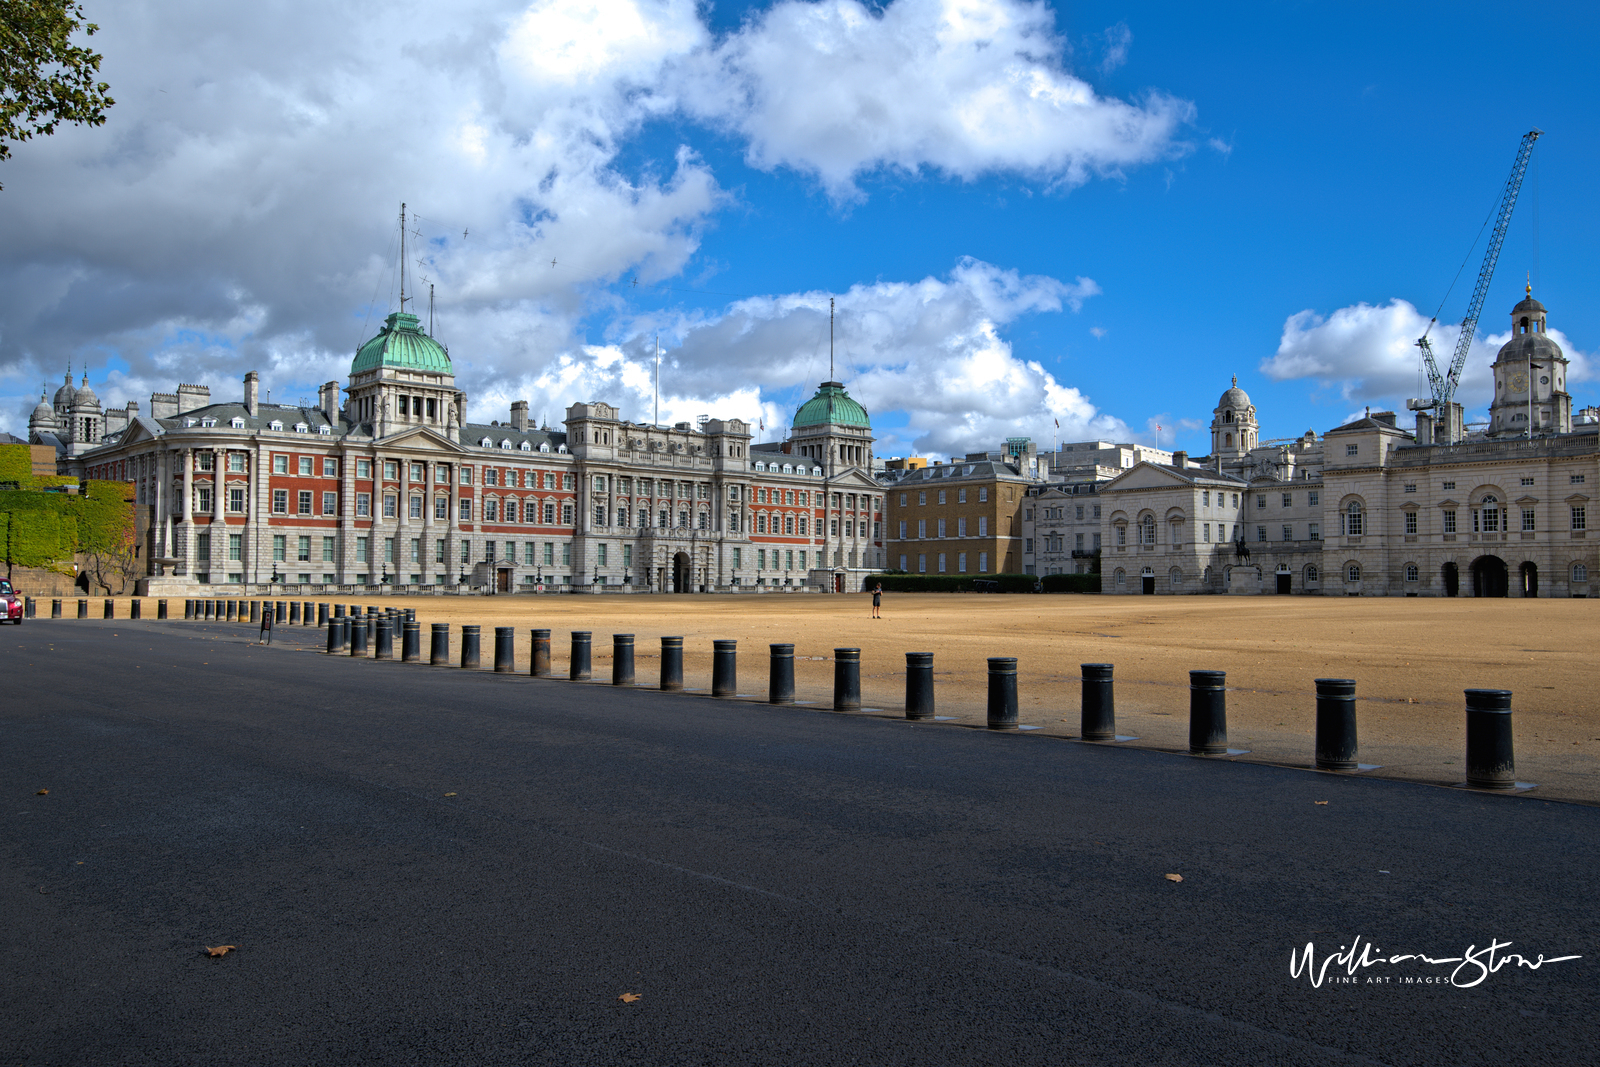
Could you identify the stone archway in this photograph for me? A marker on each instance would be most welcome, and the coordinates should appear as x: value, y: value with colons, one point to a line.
x: 1452, y: 580
x: 1489, y: 577
x: 682, y: 573
x: 1529, y: 575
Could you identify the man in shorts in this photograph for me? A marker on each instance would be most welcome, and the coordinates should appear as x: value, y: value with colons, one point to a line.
x: 877, y: 600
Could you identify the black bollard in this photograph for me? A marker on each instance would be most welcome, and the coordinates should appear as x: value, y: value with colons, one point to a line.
x: 55, y: 609
x: 161, y: 608
x: 469, y: 647
x: 578, y: 668
x: 1002, y: 692
x: 411, y: 642
x: 539, y: 654
x: 358, y: 638
x: 439, y: 645
x: 919, y: 685
x: 209, y: 609
x: 780, y: 677
x: 505, y: 650
x: 621, y: 659
x: 111, y: 609
x: 1336, y: 724
x: 672, y: 663
x: 294, y: 613
x: 847, y: 679
x: 1490, y: 761
x: 724, y: 668
x: 1208, y: 713
x: 338, y: 611
x: 322, y: 614
x: 83, y: 608
x: 411, y: 615
x: 188, y: 609
x: 372, y: 625
x: 255, y: 611
x: 134, y: 608
x: 231, y: 608
x: 27, y: 607
x: 305, y: 614
x: 1099, y: 712
x: 385, y: 645
x: 333, y: 639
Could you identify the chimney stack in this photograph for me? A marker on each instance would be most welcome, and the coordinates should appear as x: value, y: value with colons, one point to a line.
x: 519, y: 416
x: 252, y: 393
x: 328, y: 401
x: 1180, y: 460
x: 191, y: 397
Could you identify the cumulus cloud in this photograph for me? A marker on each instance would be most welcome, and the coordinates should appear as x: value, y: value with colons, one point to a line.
x: 1368, y: 354
x: 238, y: 210
x: 966, y: 87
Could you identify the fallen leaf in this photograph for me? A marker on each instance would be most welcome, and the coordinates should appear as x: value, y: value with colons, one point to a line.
x: 1174, y: 877
x: 220, y: 950
x: 1324, y: 803
x: 628, y: 998
x: 42, y: 793
x: 449, y: 794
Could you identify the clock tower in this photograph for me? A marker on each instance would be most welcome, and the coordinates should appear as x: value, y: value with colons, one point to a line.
x: 1530, y: 379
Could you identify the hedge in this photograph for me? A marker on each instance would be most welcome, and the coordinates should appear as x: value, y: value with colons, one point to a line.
x: 963, y: 583
x: 43, y: 528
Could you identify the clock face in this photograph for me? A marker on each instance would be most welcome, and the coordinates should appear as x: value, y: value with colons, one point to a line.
x: 1519, y: 382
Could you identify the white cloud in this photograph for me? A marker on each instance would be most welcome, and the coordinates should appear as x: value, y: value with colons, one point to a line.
x: 1368, y: 354
x: 1118, y: 39
x: 234, y: 212
x: 966, y: 87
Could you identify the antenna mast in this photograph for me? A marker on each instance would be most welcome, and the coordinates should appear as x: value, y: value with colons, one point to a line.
x: 430, y: 309
x: 830, y: 339
x: 658, y: 380
x: 402, y: 256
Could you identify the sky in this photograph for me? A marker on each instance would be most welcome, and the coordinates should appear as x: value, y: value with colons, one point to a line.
x: 1060, y: 221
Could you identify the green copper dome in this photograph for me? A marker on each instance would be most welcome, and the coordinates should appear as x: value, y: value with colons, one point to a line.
x: 401, y: 343
x: 832, y: 405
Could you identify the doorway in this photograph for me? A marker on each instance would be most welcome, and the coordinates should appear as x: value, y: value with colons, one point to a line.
x: 1283, y: 582
x: 1529, y: 572
x: 503, y: 581
x: 1147, y: 581
x: 1489, y: 577
x: 681, y: 573
x: 1452, y: 580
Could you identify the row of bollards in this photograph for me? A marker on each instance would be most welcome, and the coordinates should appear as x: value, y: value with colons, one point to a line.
x: 30, y: 608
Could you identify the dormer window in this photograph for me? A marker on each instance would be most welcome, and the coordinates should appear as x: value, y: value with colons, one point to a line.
x: 760, y: 466
x: 544, y: 446
x: 561, y: 449
x: 485, y: 443
x: 208, y: 422
x: 301, y: 427
x: 325, y: 431
x: 506, y: 444
x: 237, y: 423
x: 275, y: 424
x: 526, y: 447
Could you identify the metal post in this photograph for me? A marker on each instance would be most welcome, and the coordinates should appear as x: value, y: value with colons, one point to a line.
x: 621, y: 659
x: 1336, y: 724
x: 135, y: 610
x: 338, y: 611
x: 55, y: 609
x: 919, y: 685
x: 1099, y: 710
x: 161, y: 608
x: 211, y: 610
x: 469, y: 647
x: 672, y: 663
x: 83, y: 608
x: 358, y: 638
x: 724, y: 668
x: 1002, y: 692
x: 333, y: 639
x: 230, y: 608
x: 411, y: 642
x: 578, y: 668
x: 305, y: 613
x: 439, y: 645
x: 1208, y: 713
x: 385, y: 646
x: 188, y: 609
x: 411, y: 615
x: 372, y: 624
x: 780, y: 683
x: 505, y: 649
x: 322, y: 613
x: 111, y: 609
x: 27, y: 607
x: 294, y: 614
x: 255, y: 611
x: 847, y: 679
x: 539, y: 654
x: 282, y: 614
x: 1490, y: 761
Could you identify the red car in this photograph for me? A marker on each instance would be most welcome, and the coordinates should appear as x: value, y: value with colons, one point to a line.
x: 10, y: 604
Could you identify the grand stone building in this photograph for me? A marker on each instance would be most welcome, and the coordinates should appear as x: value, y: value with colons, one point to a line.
x: 1371, y: 509
x: 393, y: 487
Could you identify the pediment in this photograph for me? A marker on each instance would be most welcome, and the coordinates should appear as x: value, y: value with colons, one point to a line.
x: 422, y: 437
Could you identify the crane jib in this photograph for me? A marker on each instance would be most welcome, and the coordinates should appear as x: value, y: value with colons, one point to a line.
x: 1444, y: 385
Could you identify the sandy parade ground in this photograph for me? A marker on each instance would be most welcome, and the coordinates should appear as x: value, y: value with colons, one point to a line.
x: 1411, y: 659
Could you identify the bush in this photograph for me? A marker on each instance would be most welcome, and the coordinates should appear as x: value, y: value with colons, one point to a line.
x: 963, y: 583
x: 1071, y: 583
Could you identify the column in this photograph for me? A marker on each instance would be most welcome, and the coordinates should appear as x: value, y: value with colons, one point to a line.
x: 347, y: 516
x: 218, y: 490
x: 186, y: 457
x: 427, y: 519
x: 452, y: 551
x: 254, y: 535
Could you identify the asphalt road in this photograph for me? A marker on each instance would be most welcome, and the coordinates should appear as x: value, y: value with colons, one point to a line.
x: 431, y: 866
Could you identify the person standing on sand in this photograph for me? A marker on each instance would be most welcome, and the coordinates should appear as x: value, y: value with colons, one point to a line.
x: 877, y: 600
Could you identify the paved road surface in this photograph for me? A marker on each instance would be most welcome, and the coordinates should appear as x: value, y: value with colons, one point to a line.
x: 430, y: 866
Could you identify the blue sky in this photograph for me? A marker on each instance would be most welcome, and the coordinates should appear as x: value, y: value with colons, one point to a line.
x: 1330, y: 159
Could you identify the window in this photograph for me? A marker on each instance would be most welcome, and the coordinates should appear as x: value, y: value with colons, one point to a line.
x: 902, y: 530
x: 280, y: 501
x: 1205, y: 530
x: 1311, y: 573
x: 303, y: 549
x: 1288, y: 533
x: 466, y: 475
x: 549, y: 554
x: 330, y: 503
x: 305, y: 466
x: 1288, y: 501
x: 1491, y: 515
x: 983, y: 526
x: 303, y: 502
x: 280, y: 547
x: 600, y: 554
x: 466, y: 551
x: 922, y: 498
x: 1411, y: 522
x: 1027, y: 545
x: 441, y: 474
x: 1580, y: 573
x: 1411, y: 572
x: 1576, y: 479
x: 1314, y: 531
x: 941, y: 526
x: 1449, y: 485
x: 439, y: 551
x: 941, y: 563
x: 1148, y: 528
x: 1579, y: 519
x: 488, y: 551
x: 1527, y: 520
x: 492, y: 476
x: 1122, y: 534
x: 1527, y: 481
x: 1121, y: 576
x: 389, y: 506
x: 922, y: 529
x: 961, y: 527
x: 983, y: 563
x: 922, y: 564
x: 236, y: 546
x: 236, y: 499
x: 491, y: 511
x: 1450, y: 521
x: 566, y: 514
x: 236, y: 462
x: 1351, y: 450
x: 415, y: 510
x: 1261, y: 533
x: 202, y: 546
x: 1352, y: 520
x: 961, y: 496
x: 1311, y: 498
x: 280, y: 464
x: 983, y: 495
x: 1205, y: 501
x: 330, y: 468
x: 1097, y: 511
x: 361, y: 550
x: 941, y: 496
x: 327, y: 549
x: 464, y: 512
x: 902, y: 504
x: 1261, y: 500
x: 1354, y: 573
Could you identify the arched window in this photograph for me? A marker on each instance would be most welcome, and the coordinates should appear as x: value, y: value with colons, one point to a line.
x: 1411, y: 572
x: 1227, y: 416
x: 1523, y: 324
x: 1227, y: 439
x: 1149, y: 527
x: 1354, y: 573
x: 1353, y: 523
x: 1580, y: 573
x: 1490, y: 514
x: 1311, y: 572
x: 1175, y: 577
x: 1121, y: 577
x: 1208, y: 576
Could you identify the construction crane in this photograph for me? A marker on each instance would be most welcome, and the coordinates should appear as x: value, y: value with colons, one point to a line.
x: 1443, y: 386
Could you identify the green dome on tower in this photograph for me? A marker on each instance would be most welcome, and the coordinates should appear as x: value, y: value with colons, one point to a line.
x: 831, y: 406
x: 401, y: 343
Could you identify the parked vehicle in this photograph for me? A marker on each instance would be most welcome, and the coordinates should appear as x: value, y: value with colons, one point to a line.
x: 10, y: 604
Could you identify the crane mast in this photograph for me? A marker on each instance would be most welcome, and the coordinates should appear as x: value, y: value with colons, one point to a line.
x: 1443, y: 385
